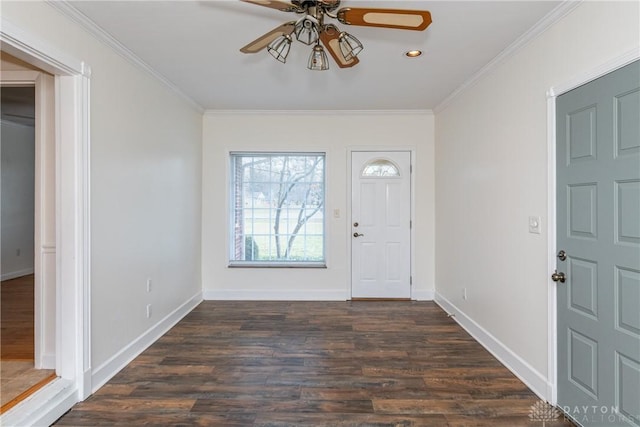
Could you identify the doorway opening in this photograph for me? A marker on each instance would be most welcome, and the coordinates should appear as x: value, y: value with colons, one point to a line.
x: 27, y: 359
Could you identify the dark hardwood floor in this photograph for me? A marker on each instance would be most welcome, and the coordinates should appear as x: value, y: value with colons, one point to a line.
x: 19, y: 378
x: 313, y: 364
x: 16, y: 318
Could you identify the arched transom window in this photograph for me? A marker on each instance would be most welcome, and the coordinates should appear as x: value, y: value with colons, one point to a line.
x: 380, y: 168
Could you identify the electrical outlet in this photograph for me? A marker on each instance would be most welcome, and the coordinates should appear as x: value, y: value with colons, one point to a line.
x: 148, y: 285
x: 464, y: 293
x: 148, y: 311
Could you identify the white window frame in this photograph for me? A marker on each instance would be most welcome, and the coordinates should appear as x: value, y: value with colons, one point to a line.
x: 230, y: 213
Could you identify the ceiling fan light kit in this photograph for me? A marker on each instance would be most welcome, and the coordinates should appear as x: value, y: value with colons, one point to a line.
x: 318, y: 60
x: 349, y: 45
x: 307, y: 30
x: 311, y: 30
x: 279, y: 48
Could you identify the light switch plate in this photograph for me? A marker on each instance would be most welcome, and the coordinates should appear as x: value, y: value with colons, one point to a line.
x: 535, y: 224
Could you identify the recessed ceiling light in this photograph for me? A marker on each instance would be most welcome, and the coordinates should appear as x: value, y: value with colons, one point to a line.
x: 413, y: 53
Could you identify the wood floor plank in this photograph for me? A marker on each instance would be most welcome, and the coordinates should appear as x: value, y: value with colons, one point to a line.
x: 19, y: 376
x: 315, y: 364
x: 16, y: 318
x: 347, y: 420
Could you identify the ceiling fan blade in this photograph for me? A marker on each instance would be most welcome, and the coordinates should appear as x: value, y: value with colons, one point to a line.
x: 282, y: 5
x: 417, y: 20
x: 263, y: 41
x: 329, y: 38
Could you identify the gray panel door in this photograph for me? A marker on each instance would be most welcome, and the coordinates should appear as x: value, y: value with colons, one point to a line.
x: 598, y: 199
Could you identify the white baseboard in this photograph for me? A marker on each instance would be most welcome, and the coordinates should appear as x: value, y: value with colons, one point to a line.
x: 423, y: 295
x: 48, y: 361
x: 520, y: 368
x: 273, y: 295
x: 299, y: 295
x: 43, y: 407
x: 15, y: 274
x: 111, y: 367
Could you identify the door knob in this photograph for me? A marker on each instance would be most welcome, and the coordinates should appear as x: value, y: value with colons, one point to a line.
x: 558, y: 277
x: 357, y: 234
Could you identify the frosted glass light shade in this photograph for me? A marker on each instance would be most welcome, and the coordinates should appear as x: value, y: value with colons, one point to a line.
x: 318, y: 60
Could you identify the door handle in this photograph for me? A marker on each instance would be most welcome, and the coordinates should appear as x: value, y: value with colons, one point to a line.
x: 356, y: 234
x: 558, y: 277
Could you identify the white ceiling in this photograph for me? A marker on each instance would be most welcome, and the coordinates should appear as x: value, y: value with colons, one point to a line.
x: 195, y: 45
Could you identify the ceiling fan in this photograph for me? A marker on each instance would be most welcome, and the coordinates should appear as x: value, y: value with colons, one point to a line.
x: 311, y: 29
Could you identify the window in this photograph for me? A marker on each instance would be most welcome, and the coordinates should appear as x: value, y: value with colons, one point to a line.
x: 277, y: 209
x: 380, y: 167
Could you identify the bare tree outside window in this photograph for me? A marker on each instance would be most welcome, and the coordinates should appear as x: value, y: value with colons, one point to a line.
x: 278, y: 207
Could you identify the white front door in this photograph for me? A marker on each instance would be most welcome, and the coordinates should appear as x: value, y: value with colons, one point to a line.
x: 381, y: 224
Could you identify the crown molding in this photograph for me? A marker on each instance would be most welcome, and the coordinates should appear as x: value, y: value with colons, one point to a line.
x: 318, y: 112
x: 101, y: 35
x: 559, y: 12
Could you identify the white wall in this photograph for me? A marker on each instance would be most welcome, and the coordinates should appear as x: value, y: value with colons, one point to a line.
x: 145, y: 189
x: 17, y: 204
x: 225, y: 132
x: 491, y: 174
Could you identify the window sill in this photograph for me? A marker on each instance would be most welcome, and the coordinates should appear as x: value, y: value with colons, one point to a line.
x: 277, y: 265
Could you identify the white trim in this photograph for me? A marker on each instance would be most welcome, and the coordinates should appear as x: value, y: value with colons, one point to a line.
x: 607, y: 67
x: 317, y: 112
x: 520, y: 368
x: 101, y: 35
x: 44, y: 407
x: 115, y: 364
x: 272, y: 295
x: 35, y: 51
x: 15, y: 274
x: 83, y: 160
x: 72, y: 309
x: 44, y: 215
x: 47, y: 360
x: 422, y: 294
x: 26, y: 78
x: 552, y: 354
x: 559, y: 12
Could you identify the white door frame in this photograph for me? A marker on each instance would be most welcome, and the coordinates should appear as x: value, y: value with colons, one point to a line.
x: 348, y: 231
x: 555, y: 91
x: 73, y: 339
